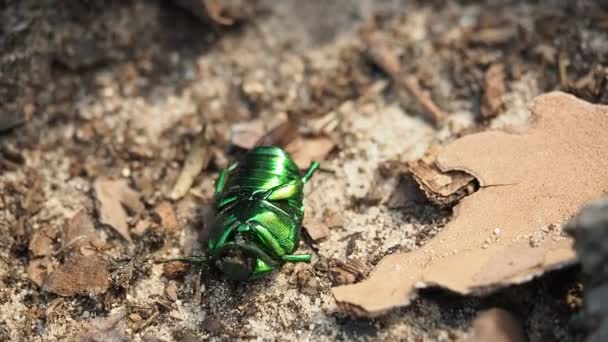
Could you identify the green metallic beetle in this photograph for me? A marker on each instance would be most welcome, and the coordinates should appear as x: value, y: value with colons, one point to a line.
x: 259, y: 214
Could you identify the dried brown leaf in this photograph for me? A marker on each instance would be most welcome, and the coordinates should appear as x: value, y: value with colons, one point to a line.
x: 281, y: 135
x: 112, y: 195
x: 196, y: 161
x: 316, y: 229
x: 168, y: 220
x: 80, y: 231
x: 41, y: 243
x: 79, y: 275
x: 247, y: 134
x: 497, y: 325
x: 528, y: 181
x: 494, y: 90
x: 443, y: 188
x: 306, y: 150
x: 38, y: 270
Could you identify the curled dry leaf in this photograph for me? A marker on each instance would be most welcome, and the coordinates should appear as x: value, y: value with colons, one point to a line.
x: 306, y: 150
x: 112, y: 195
x: 196, y: 161
x: 497, y: 325
x: 442, y: 188
x: 79, y: 275
x: 346, y: 273
x: 528, y: 181
x: 494, y: 90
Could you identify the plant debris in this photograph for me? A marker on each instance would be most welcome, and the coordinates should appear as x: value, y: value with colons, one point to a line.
x: 494, y: 91
x: 112, y: 195
x: 527, y: 181
x: 196, y: 161
x: 388, y: 61
x: 80, y: 274
x: 111, y: 328
x: 497, y: 325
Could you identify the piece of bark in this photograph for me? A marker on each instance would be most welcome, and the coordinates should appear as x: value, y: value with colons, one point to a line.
x: 528, y: 181
x: 442, y: 188
x: 79, y: 275
x: 112, y: 195
x: 497, y: 325
x: 494, y: 90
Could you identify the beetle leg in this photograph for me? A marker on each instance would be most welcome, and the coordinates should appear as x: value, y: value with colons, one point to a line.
x: 264, y: 234
x: 297, y: 258
x: 281, y: 192
x: 221, y: 180
x: 193, y: 259
x: 314, y: 166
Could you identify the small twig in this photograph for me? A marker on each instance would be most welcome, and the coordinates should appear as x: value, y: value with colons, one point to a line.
x: 148, y: 321
x: 388, y: 61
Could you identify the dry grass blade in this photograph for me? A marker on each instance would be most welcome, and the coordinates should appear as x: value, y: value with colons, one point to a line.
x: 196, y: 161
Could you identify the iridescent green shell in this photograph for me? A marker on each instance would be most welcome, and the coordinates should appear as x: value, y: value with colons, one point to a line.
x: 259, y: 214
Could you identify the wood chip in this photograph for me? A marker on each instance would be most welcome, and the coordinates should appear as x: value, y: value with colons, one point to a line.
x: 168, y: 220
x: 528, y: 181
x: 111, y: 196
x: 196, y: 161
x: 79, y: 275
x: 171, y: 291
x: 494, y: 90
x: 497, y: 325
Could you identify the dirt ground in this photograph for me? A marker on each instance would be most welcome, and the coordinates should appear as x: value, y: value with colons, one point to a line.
x: 120, y: 89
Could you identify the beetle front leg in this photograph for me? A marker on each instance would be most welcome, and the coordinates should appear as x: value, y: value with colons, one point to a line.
x: 314, y: 166
x: 221, y: 180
